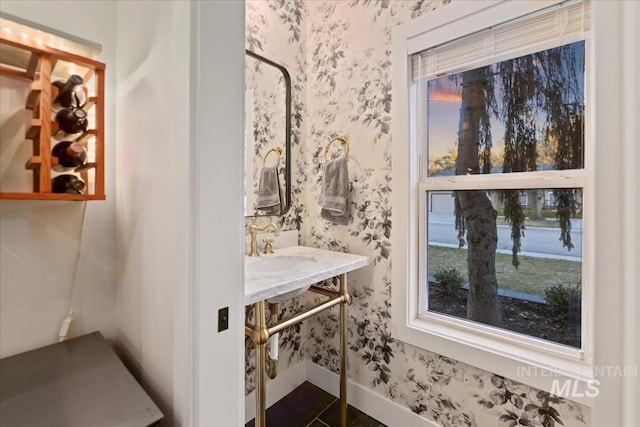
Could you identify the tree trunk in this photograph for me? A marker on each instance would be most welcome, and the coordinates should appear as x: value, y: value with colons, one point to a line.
x: 483, y: 303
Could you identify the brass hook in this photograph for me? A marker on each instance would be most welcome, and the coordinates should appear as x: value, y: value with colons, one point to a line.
x: 277, y: 150
x: 343, y: 141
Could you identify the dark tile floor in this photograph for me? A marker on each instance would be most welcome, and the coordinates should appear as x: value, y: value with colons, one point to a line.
x: 310, y: 406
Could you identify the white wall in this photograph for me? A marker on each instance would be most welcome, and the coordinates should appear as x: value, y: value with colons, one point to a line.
x: 152, y: 192
x: 631, y: 178
x: 218, y: 211
x: 179, y: 204
x: 160, y: 255
x: 616, y: 327
x: 40, y: 241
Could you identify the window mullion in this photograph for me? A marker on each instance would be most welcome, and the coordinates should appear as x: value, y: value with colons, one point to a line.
x: 576, y: 178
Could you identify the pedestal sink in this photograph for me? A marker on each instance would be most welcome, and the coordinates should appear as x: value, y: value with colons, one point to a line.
x: 272, y: 267
x: 291, y: 271
x: 285, y: 274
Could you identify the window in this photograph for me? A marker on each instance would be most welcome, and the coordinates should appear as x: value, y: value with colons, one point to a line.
x: 496, y: 256
x: 494, y: 157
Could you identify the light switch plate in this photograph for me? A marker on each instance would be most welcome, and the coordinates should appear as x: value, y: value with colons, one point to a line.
x: 223, y: 319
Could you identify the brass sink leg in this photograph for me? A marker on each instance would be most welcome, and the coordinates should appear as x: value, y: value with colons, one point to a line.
x: 343, y: 350
x: 260, y: 333
x: 260, y: 340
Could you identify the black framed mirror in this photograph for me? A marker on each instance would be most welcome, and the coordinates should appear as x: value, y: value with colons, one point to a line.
x: 267, y: 137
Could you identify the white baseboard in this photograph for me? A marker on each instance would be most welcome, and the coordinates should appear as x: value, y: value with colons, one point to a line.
x: 277, y: 388
x: 369, y: 402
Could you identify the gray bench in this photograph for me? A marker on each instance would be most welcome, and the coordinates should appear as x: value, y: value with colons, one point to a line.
x: 78, y: 382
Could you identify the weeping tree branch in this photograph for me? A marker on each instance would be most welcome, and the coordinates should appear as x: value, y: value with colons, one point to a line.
x: 542, y: 86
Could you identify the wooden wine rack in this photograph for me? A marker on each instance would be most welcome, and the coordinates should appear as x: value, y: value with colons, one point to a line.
x: 25, y: 59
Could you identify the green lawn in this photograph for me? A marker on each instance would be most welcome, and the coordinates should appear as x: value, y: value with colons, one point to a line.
x: 533, y: 276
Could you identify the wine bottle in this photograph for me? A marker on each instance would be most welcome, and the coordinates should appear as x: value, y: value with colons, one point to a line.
x: 72, y: 120
x: 70, y: 93
x: 67, y: 183
x: 70, y: 155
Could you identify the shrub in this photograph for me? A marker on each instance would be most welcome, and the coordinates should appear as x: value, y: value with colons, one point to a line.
x: 565, y: 302
x: 450, y: 281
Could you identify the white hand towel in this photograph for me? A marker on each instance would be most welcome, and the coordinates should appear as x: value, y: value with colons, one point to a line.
x: 269, y: 199
x: 334, y: 195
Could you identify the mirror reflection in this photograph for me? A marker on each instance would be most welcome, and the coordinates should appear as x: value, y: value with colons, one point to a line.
x: 267, y: 137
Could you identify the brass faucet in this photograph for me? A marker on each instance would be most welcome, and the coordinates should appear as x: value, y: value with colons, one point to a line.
x: 253, y: 230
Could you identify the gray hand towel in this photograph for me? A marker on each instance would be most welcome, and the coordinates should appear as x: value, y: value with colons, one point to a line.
x: 334, y: 196
x: 269, y: 199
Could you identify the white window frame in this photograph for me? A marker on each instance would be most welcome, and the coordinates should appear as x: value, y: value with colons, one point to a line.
x: 498, y: 351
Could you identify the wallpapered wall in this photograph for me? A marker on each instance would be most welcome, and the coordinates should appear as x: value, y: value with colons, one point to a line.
x: 275, y: 30
x: 338, y: 53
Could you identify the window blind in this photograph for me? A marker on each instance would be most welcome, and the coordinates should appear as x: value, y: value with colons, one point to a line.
x: 560, y: 24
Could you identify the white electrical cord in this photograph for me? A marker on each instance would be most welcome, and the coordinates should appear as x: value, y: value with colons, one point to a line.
x: 66, y: 323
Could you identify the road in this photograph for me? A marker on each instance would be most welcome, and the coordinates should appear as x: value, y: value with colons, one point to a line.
x: 537, y: 241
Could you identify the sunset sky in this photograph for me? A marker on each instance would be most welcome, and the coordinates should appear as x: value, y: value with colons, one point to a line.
x: 444, y: 101
x: 444, y: 115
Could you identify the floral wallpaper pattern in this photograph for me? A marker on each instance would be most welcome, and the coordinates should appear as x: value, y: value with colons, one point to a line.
x: 342, y: 86
x: 274, y: 30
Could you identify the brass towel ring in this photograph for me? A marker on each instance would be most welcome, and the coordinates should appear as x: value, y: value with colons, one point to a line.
x: 343, y: 141
x: 277, y: 150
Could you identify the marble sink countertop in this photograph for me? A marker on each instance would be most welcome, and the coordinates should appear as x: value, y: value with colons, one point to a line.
x: 292, y: 268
